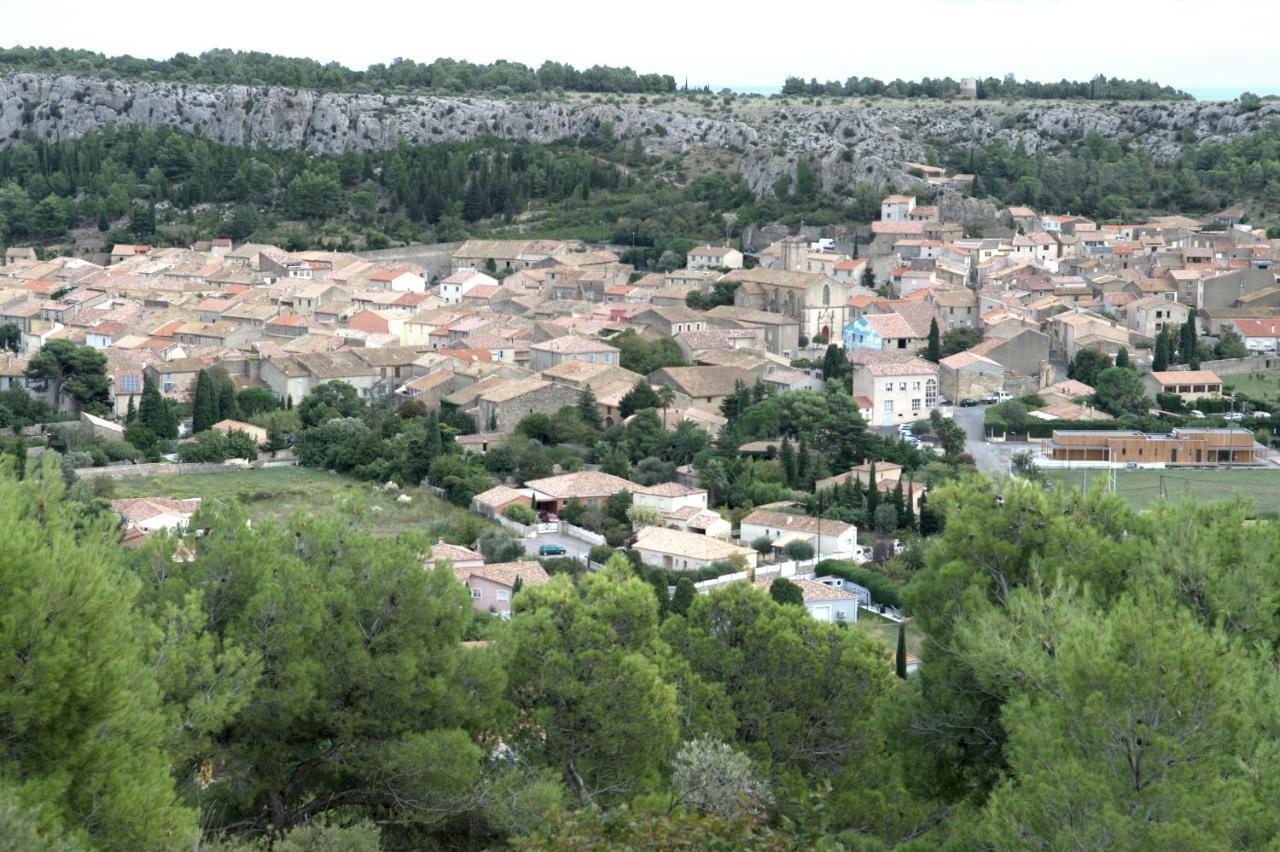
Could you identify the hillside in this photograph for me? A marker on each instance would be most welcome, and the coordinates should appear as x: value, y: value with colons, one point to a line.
x: 846, y: 140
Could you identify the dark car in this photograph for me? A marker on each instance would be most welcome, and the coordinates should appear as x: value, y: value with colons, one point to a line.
x: 551, y: 550
x: 968, y: 403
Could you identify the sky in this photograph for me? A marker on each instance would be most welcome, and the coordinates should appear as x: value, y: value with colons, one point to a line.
x: 738, y: 45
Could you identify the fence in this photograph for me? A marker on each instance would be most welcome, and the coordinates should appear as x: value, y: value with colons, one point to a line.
x: 159, y: 469
x: 580, y: 534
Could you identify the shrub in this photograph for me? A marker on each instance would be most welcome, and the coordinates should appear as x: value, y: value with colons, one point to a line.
x: 521, y: 514
x: 801, y: 550
x: 881, y: 587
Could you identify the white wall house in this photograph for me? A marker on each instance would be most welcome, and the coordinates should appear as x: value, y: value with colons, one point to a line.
x: 900, y: 391
x: 827, y: 536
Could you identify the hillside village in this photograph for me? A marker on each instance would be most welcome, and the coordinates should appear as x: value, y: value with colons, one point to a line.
x: 930, y: 324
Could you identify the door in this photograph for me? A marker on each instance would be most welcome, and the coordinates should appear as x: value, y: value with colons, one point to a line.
x: 822, y: 612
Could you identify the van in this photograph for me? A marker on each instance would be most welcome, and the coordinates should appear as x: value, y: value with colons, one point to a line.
x: 1003, y: 396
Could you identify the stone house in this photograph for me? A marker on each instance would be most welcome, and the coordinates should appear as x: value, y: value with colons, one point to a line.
x: 503, y: 406
x: 968, y: 375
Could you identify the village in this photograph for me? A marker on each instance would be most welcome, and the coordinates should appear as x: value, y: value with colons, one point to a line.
x: 972, y: 347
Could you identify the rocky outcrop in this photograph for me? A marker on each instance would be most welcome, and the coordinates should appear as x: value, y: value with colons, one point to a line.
x: 847, y: 141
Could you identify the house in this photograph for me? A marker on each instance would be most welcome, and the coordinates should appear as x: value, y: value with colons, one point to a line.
x: 702, y: 387
x: 781, y: 333
x: 1259, y: 335
x: 398, y: 280
x: 900, y: 389
x: 1191, y: 385
x: 457, y: 556
x: 124, y: 251
x: 824, y: 602
x: 257, y: 433
x: 713, y: 257
x: 156, y: 513
x: 503, y: 406
x: 570, y: 347
x: 457, y: 285
x: 957, y: 308
x: 969, y: 375
x: 670, y: 321
x: 883, y: 331
x: 492, y: 585
x: 1078, y: 329
x: 676, y: 550
x: 897, y: 208
x: 829, y: 538
x: 505, y: 254
x: 590, y: 488
x: 1180, y: 447
x: 495, y: 501
x: 1150, y: 315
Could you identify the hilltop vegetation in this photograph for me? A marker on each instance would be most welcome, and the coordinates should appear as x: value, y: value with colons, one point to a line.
x: 252, y: 68
x: 1099, y: 87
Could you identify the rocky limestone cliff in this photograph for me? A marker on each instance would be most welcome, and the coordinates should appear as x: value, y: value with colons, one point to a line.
x: 847, y: 141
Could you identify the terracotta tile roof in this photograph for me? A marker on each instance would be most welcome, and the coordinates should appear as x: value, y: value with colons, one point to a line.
x: 585, y: 483
x: 506, y: 573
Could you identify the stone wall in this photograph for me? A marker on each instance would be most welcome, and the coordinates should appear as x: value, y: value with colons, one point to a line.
x: 160, y: 469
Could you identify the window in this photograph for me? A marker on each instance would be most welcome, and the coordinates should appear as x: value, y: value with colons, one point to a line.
x: 888, y: 387
x: 915, y: 405
x: 888, y: 406
x: 504, y: 595
x: 915, y: 386
x: 841, y: 615
x: 475, y: 594
x: 902, y: 386
x: 931, y: 393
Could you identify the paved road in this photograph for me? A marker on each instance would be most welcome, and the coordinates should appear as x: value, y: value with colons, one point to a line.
x: 990, y: 458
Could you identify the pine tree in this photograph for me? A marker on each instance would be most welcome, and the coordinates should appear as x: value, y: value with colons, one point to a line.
x: 787, y: 458
x: 204, y: 405
x: 1122, y: 357
x: 900, y: 659
x: 933, y: 352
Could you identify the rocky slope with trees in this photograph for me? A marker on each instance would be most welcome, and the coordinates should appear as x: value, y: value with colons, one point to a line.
x: 845, y: 141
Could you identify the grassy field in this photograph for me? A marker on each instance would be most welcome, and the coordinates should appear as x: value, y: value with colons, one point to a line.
x: 1141, y: 488
x: 278, y: 492
x: 878, y: 627
x: 1262, y: 385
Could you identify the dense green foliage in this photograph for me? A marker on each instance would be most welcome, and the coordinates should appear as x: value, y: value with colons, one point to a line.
x: 253, y: 68
x: 1098, y: 88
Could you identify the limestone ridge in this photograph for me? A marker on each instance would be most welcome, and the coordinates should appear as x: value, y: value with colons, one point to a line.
x: 847, y: 140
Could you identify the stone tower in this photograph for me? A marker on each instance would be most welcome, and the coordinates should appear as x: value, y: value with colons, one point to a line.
x: 794, y: 250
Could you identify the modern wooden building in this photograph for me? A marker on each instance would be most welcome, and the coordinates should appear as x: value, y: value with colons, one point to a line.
x: 1180, y: 447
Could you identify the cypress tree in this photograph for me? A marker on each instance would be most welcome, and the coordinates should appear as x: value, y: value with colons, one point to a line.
x: 587, y: 410
x: 228, y: 408
x: 900, y: 659
x: 897, y: 499
x: 873, y: 493
x: 1187, y: 345
x: 934, y: 350
x: 787, y: 458
x: 204, y: 405
x: 153, y: 413
x: 909, y: 509
x: 804, y: 466
x: 683, y: 598
x: 1122, y: 357
x: 131, y: 412
x: 1160, y: 361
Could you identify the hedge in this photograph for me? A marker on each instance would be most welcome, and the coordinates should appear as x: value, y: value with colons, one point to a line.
x: 883, y: 590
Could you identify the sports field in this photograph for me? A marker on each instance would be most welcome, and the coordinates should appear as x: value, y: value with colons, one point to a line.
x: 1141, y: 488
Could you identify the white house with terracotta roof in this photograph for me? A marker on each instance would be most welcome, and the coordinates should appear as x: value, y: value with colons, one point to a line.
x: 713, y: 257
x: 897, y: 208
x: 457, y: 285
x: 1189, y: 384
x: 823, y: 602
x: 677, y: 550
x: 901, y: 389
x: 827, y: 536
x: 398, y: 279
x: 1259, y: 335
x: 156, y: 513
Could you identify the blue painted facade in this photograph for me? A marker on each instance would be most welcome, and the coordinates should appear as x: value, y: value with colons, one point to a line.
x: 860, y: 335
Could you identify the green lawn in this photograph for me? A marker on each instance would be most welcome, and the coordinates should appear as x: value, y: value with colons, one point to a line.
x: 1141, y: 488
x: 885, y: 630
x: 1262, y: 385
x: 278, y: 492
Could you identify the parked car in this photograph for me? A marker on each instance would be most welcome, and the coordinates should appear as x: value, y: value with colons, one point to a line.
x: 551, y: 550
x: 1233, y: 416
x: 968, y: 403
x: 1266, y: 415
x: 1196, y: 413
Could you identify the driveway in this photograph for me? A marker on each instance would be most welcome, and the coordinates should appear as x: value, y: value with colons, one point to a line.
x: 574, y: 548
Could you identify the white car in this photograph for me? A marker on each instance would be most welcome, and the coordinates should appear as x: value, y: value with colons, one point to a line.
x: 1233, y: 416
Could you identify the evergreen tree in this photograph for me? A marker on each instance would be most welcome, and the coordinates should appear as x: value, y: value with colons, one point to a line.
x: 204, y: 404
x: 787, y: 458
x: 1160, y: 360
x: 868, y: 276
x: 933, y: 351
x: 587, y: 410
x: 873, y: 493
x: 1187, y: 343
x: 684, y: 596
x: 131, y: 412
x: 154, y: 414
x: 804, y: 467
x: 493, y: 421
x: 228, y: 409
x: 641, y: 396
x: 909, y: 509
x: 898, y: 499
x: 1122, y: 357
x: 900, y: 658
x: 834, y: 362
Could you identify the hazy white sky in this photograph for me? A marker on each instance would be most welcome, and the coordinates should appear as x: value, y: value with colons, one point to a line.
x: 1192, y: 44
